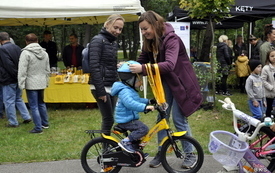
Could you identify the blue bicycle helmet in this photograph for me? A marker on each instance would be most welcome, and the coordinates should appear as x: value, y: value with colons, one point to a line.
x: 125, y: 75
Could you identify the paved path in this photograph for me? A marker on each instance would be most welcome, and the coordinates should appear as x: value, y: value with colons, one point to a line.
x: 74, y: 166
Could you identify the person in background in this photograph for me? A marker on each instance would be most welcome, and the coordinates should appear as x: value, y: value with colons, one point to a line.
x: 9, y: 58
x: 180, y: 84
x: 103, y: 63
x: 33, y: 75
x: 255, y: 46
x: 129, y: 105
x: 242, y: 70
x: 230, y: 44
x: 269, y: 37
x: 239, y: 46
x: 230, y: 50
x: 267, y: 75
x: 193, y: 53
x: 72, y: 53
x: 255, y: 89
x: 50, y: 47
x: 2, y: 116
x: 2, y: 111
x: 224, y: 61
x: 1, y: 102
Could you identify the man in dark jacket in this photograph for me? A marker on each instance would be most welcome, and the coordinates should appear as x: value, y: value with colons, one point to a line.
x: 50, y: 47
x: 255, y: 46
x: 239, y: 47
x: 72, y: 53
x: 9, y: 58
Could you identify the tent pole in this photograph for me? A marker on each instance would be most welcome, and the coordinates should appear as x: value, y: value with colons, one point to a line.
x: 250, y: 32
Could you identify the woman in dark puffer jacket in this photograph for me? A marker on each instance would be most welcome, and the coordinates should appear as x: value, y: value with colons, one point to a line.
x: 103, y: 63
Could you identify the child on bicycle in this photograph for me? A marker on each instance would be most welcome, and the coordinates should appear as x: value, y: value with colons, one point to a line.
x: 128, y: 106
x: 255, y: 89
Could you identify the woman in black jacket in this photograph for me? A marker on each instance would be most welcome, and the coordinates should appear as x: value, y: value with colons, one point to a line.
x: 103, y: 63
x: 224, y: 57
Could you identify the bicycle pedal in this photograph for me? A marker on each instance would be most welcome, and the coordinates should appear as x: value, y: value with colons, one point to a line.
x: 107, y: 169
x: 117, y: 132
x: 170, y: 149
x: 248, y: 168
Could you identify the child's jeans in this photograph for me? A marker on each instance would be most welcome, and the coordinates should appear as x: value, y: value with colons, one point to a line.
x: 137, y: 128
x: 257, y: 112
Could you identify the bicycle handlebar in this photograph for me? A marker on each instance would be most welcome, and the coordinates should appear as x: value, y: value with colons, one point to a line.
x: 237, y: 114
x: 161, y: 108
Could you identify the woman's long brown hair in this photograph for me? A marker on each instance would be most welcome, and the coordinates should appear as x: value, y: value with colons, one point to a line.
x: 157, y: 23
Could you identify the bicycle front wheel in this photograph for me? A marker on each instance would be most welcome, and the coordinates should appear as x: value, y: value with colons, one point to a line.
x: 188, y: 157
x: 93, y: 152
x: 264, y: 135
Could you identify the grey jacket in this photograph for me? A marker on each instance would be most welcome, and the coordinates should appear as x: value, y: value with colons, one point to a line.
x: 264, y: 48
x: 34, y: 68
x: 267, y: 75
x: 254, y: 88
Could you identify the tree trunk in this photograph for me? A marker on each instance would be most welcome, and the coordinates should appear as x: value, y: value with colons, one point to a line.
x: 207, y: 42
x: 136, y: 42
x: 87, y: 35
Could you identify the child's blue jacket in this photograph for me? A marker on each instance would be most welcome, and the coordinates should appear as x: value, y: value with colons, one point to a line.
x: 129, y: 103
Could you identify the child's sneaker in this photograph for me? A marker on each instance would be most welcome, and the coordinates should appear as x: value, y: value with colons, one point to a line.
x: 127, y: 146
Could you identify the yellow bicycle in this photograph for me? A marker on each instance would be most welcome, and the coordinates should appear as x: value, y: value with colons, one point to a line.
x: 102, y: 154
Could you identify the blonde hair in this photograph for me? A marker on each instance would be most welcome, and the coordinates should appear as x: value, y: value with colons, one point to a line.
x: 112, y: 19
x: 223, y: 38
x: 157, y: 23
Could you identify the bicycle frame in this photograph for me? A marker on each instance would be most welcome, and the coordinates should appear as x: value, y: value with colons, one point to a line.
x: 262, y: 151
x: 257, y: 166
x: 161, y: 125
x: 249, y: 156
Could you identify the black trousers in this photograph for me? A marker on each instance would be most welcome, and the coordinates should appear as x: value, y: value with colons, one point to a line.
x: 269, y: 107
x: 107, y: 111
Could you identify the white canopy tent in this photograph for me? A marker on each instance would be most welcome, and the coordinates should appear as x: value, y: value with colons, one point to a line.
x: 66, y: 12
x: 59, y: 12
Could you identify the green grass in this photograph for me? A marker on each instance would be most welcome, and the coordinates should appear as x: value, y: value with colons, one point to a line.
x: 66, y: 137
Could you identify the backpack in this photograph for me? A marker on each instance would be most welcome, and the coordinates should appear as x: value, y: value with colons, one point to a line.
x: 85, y: 56
x: 85, y: 59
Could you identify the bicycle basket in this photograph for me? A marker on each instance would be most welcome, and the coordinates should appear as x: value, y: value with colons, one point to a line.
x: 226, y: 147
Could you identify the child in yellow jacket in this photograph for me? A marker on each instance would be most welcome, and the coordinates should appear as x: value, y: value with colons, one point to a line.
x: 242, y: 70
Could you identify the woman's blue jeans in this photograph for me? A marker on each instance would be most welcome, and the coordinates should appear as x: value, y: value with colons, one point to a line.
x: 179, y: 120
x: 38, y: 108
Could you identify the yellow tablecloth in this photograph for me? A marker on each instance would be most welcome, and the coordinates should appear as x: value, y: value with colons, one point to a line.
x: 66, y: 93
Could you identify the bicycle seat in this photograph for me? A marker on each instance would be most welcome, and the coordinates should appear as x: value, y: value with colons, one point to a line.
x: 119, y: 129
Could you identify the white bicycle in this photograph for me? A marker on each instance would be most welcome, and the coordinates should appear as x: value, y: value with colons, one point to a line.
x: 236, y: 153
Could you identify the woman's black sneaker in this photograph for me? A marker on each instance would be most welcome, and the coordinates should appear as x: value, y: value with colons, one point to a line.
x: 156, y: 162
x: 36, y: 131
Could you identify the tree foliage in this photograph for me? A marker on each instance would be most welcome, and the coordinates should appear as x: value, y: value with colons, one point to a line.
x: 214, y: 11
x: 162, y: 7
x: 202, y: 9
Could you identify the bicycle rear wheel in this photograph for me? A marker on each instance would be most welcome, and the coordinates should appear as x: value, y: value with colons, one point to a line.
x: 191, y: 153
x: 93, y: 152
x: 264, y: 135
